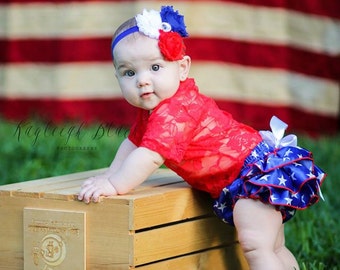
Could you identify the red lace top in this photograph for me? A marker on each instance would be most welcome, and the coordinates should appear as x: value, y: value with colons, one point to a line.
x: 200, y: 142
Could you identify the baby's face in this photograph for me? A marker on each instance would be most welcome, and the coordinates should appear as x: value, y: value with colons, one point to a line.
x: 145, y: 78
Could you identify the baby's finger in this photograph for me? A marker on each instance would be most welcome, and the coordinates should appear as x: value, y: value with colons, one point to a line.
x: 87, y: 182
x: 96, y: 195
x: 83, y: 190
x: 86, y: 194
x: 81, y: 194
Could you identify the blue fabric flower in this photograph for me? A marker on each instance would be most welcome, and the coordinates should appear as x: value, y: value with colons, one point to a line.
x: 176, y: 20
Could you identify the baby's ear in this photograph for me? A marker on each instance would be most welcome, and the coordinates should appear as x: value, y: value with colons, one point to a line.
x: 184, y: 67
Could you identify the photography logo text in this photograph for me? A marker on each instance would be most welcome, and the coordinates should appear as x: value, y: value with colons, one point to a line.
x: 72, y: 137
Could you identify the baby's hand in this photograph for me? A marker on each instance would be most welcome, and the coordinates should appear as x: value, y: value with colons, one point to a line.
x: 94, y: 187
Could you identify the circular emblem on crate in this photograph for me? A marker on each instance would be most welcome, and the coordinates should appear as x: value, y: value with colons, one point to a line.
x: 52, y: 238
x: 52, y: 250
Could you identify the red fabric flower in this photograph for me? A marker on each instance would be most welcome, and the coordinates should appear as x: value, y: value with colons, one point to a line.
x: 171, y: 45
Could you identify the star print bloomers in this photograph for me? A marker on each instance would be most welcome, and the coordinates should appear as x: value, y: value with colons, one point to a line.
x: 277, y: 172
x: 229, y: 160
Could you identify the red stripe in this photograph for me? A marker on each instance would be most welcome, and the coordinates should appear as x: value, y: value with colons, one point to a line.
x: 265, y: 56
x: 116, y: 111
x: 327, y: 8
x: 53, y: 51
x: 258, y: 116
x: 119, y: 112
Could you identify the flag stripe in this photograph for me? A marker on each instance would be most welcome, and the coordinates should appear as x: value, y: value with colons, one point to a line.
x: 235, y: 21
x: 265, y: 56
x: 118, y: 112
x: 328, y: 8
x: 267, y: 86
x: 77, y: 81
x: 202, y: 49
x: 44, y: 50
x: 257, y: 59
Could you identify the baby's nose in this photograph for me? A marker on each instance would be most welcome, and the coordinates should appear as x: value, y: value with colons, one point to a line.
x: 143, y: 80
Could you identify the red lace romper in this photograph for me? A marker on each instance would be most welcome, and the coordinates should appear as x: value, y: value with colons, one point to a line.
x: 198, y: 141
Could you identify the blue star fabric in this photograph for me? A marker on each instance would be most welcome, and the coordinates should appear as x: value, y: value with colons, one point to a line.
x: 286, y: 178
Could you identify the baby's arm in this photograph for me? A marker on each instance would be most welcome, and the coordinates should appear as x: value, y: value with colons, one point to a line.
x: 124, y: 150
x: 125, y: 174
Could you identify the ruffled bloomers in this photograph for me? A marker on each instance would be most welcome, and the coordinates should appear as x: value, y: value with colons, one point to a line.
x: 285, y: 178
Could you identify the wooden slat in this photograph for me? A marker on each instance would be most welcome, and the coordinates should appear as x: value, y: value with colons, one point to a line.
x: 169, y: 204
x: 67, y: 186
x: 68, y: 190
x: 60, y: 188
x: 107, y: 236
x: 221, y: 258
x: 161, y: 219
x: 5, y: 193
x: 163, y: 173
x: 160, y: 181
x: 178, y: 239
x: 46, y: 181
x: 39, y: 186
x: 10, y: 259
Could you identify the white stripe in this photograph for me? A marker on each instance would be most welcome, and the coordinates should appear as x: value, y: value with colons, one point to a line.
x: 64, y: 81
x: 267, y: 86
x: 221, y: 81
x: 205, y: 19
x: 269, y: 25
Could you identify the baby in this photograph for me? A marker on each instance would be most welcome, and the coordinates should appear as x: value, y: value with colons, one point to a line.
x: 257, y: 179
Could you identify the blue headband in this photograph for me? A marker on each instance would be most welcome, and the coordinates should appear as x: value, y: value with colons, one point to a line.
x: 158, y: 25
x: 122, y: 35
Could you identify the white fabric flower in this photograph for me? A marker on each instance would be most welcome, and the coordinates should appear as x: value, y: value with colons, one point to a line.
x: 149, y: 23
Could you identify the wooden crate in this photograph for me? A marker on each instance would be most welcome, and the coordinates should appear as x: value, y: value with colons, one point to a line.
x: 162, y: 224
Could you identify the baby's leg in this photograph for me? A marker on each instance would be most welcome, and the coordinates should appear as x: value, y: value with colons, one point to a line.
x: 259, y: 228
x: 284, y: 253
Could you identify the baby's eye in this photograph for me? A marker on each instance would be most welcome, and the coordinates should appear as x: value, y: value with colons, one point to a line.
x: 129, y: 73
x: 155, y: 67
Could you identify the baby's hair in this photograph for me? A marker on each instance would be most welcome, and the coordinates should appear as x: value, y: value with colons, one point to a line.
x: 124, y: 26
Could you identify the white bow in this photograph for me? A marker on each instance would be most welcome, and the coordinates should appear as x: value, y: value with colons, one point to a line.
x: 275, y: 137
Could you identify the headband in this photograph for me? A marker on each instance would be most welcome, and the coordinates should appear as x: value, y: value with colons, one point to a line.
x: 167, y: 26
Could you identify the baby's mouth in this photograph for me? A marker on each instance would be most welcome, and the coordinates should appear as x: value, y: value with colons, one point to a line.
x: 146, y: 95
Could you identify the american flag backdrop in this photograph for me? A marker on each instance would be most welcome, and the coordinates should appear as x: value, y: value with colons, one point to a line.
x: 256, y: 58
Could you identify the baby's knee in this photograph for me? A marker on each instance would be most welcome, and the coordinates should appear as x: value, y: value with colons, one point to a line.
x: 250, y: 242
